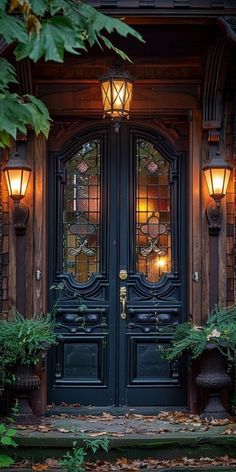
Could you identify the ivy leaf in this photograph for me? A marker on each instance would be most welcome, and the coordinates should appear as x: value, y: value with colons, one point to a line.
x: 11, y: 432
x: 39, y: 7
x: 12, y: 29
x: 7, y: 441
x: 17, y: 113
x: 57, y: 5
x: 101, y: 21
x: 4, y: 139
x: 5, y: 460
x: 3, y: 5
x: 40, y: 122
x: 56, y: 35
x: 8, y: 74
x: 109, y: 45
x: 2, y: 428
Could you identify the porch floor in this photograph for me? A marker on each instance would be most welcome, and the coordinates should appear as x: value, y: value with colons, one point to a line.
x: 162, y: 436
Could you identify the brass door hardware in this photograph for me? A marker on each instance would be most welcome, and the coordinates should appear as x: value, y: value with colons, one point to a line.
x: 123, y: 274
x: 123, y: 300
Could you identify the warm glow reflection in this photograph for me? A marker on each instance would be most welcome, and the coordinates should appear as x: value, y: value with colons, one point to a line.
x: 17, y: 182
x: 161, y: 262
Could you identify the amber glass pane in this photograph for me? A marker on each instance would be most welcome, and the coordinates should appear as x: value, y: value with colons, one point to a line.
x: 153, y: 213
x: 81, y: 222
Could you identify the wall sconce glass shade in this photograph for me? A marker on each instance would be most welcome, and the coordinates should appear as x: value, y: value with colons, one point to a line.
x: 117, y: 89
x: 217, y: 174
x: 17, y: 174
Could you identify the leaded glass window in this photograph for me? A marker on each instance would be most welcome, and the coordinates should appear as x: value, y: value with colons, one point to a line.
x: 82, y: 212
x: 153, y: 212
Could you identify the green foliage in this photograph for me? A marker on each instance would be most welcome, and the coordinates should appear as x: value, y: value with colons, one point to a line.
x: 16, y: 112
x: 6, y: 439
x: 21, y: 341
x: 46, y: 29
x: 219, y: 330
x: 73, y: 462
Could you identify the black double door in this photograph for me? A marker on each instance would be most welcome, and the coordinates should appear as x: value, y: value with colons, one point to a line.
x: 117, y: 254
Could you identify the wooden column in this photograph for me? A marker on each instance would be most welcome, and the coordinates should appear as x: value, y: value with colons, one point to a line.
x: 36, y: 252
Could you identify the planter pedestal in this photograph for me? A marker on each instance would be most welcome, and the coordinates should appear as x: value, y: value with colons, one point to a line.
x: 213, y: 378
x: 25, y: 382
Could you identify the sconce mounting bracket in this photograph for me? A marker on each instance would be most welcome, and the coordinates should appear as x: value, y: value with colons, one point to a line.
x: 214, y: 217
x: 20, y: 217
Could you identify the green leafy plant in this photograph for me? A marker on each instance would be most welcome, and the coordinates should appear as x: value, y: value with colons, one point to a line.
x: 46, y: 29
x: 73, y: 461
x: 219, y: 330
x: 6, y: 439
x: 21, y: 340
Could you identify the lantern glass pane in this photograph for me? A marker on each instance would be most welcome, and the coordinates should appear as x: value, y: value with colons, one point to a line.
x: 227, y: 176
x: 218, y: 177
x: 118, y: 96
x: 208, y: 178
x: 14, y: 179
x: 106, y: 96
x: 25, y: 181
x: 128, y: 97
x: 8, y: 182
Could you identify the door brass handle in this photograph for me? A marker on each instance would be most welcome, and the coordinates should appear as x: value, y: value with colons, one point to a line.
x: 123, y: 300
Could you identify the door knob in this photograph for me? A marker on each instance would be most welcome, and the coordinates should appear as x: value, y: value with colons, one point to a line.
x: 123, y: 300
x: 123, y: 274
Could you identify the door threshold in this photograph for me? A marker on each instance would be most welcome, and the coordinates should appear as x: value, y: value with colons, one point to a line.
x: 112, y: 410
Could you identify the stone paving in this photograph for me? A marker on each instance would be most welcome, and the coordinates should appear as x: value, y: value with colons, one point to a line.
x: 132, y: 435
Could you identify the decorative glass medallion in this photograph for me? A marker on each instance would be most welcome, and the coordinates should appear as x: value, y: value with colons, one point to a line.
x: 83, y: 167
x: 81, y: 215
x: 153, y: 213
x: 152, y: 167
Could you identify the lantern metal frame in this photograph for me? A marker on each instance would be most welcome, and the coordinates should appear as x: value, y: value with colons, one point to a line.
x: 213, y: 209
x: 116, y: 98
x: 21, y: 211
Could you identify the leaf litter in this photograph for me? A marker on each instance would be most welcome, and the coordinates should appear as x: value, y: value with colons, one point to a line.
x: 125, y: 464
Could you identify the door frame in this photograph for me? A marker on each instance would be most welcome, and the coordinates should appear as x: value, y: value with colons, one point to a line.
x: 38, y: 148
x: 70, y: 147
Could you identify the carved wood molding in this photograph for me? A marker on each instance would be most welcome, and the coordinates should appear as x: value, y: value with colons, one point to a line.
x: 228, y: 23
x: 214, y: 83
x: 165, y: 4
x: 24, y: 77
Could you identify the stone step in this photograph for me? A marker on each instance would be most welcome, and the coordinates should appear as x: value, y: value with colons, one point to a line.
x: 39, y: 446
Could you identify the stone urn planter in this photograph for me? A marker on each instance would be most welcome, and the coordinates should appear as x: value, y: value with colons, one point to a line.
x: 25, y: 381
x: 213, y: 377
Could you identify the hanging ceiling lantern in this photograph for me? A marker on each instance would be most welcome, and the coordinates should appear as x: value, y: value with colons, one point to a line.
x: 217, y: 174
x: 17, y: 173
x: 117, y: 89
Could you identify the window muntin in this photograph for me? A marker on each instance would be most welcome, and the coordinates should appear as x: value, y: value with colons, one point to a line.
x: 82, y: 212
x: 153, y: 212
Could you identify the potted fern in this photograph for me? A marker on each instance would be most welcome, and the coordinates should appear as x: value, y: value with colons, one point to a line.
x: 214, y: 343
x: 21, y: 342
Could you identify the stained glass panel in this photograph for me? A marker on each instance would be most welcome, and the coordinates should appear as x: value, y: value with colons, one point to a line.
x: 81, y: 215
x: 153, y: 212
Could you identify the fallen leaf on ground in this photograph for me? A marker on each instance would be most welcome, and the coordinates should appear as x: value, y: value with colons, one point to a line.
x: 94, y: 435
x: 40, y: 467
x: 63, y: 430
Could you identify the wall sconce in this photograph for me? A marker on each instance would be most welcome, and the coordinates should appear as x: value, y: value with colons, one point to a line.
x: 217, y: 174
x: 17, y: 174
x: 117, y: 90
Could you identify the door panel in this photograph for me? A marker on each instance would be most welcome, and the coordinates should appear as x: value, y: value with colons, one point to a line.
x: 119, y: 205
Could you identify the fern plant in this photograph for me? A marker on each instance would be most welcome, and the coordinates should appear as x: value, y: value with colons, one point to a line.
x: 219, y: 330
x: 21, y: 341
